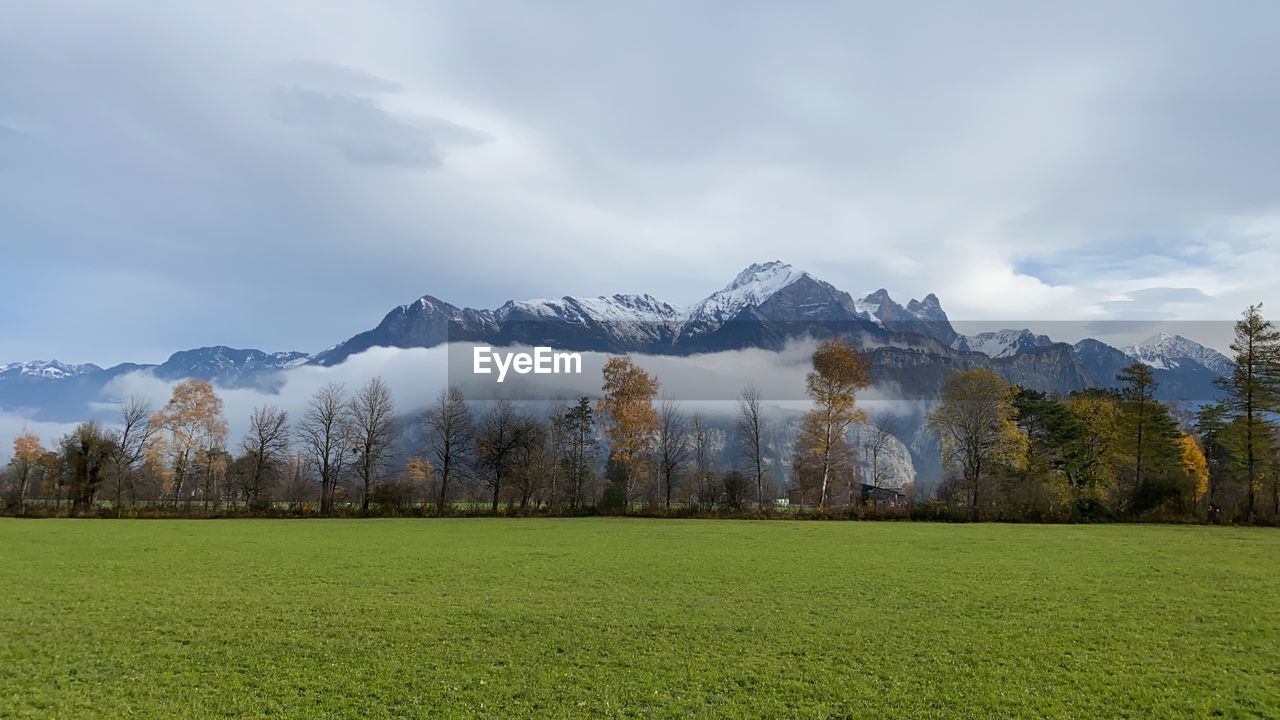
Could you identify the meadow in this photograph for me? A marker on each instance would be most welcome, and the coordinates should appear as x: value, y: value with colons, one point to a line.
x: 618, y: 617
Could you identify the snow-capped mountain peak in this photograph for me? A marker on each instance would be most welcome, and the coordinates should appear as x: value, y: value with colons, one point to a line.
x: 48, y: 369
x: 1001, y: 343
x: 1165, y: 351
x: 764, y: 278
x: 754, y: 285
x: 600, y: 309
x: 925, y: 317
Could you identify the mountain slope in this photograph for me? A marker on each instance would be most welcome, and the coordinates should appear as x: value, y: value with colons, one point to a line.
x: 924, y: 317
x: 44, y: 370
x: 911, y: 348
x: 1001, y: 343
x: 1168, y: 352
x: 49, y: 390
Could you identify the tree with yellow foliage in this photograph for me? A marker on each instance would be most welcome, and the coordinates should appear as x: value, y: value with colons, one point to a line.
x: 975, y: 422
x: 193, y: 419
x: 630, y: 419
x: 839, y: 372
x: 1194, y: 467
x: 1098, y: 460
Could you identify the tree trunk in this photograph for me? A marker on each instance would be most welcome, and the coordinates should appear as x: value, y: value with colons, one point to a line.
x: 1252, y: 470
x: 326, y: 491
x: 23, y: 479
x: 1137, y: 475
x: 759, y: 484
x: 822, y: 498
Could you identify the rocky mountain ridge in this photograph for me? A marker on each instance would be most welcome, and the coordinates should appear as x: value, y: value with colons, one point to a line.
x: 912, y: 347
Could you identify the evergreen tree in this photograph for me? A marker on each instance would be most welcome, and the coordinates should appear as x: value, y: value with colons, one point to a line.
x: 1138, y: 390
x: 579, y: 446
x: 1161, y: 458
x: 1253, y: 389
x: 1223, y: 450
x: 1053, y: 433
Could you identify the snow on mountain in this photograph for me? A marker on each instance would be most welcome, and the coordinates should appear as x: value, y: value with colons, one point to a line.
x: 1001, y: 343
x: 220, y: 362
x: 616, y: 308
x: 924, y: 317
x: 751, y: 287
x: 870, y: 309
x: 46, y: 369
x: 1164, y: 351
x: 929, y: 309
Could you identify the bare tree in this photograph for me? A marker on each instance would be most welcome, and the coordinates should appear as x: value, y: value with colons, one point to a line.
x: 556, y: 448
x: 325, y: 432
x: 705, y: 488
x: 500, y: 435
x: 751, y: 437
x: 533, y: 461
x: 265, y: 446
x: 450, y: 435
x: 673, y: 445
x: 373, y: 423
x: 877, y: 443
x: 132, y: 441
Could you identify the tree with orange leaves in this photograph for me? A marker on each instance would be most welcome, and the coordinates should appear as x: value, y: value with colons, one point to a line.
x: 630, y: 419
x: 839, y: 372
x: 25, y: 463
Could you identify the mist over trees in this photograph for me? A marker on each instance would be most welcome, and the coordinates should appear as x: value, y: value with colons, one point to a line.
x: 1006, y: 452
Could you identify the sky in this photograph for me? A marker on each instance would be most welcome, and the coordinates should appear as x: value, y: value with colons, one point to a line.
x: 280, y: 175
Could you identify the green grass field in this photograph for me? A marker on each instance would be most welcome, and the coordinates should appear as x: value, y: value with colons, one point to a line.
x: 635, y: 618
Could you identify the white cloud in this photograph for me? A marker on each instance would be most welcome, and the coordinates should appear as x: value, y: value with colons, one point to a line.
x: 14, y: 424
x: 1007, y: 158
x: 709, y: 383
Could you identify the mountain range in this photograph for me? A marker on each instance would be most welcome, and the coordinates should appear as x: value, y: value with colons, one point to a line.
x: 912, y: 348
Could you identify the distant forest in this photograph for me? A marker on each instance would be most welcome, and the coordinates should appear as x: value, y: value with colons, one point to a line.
x: 1007, y: 454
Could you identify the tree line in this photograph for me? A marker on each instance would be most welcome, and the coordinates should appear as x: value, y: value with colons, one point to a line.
x: 1118, y: 454
x: 1008, y: 453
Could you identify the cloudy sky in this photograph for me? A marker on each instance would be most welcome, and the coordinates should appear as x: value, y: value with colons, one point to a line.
x: 278, y: 175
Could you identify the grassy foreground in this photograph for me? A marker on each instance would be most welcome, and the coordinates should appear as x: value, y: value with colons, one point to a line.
x: 647, y: 618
